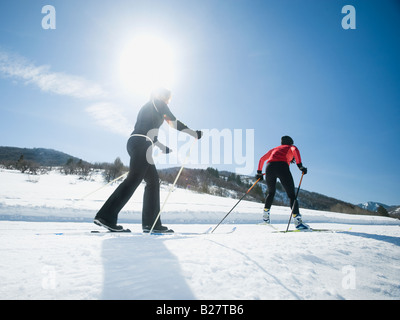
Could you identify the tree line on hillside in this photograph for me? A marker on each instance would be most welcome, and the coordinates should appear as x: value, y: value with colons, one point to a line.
x: 227, y: 184
x: 211, y: 181
x: 73, y: 166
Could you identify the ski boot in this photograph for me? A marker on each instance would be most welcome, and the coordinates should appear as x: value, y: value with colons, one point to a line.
x: 160, y: 229
x: 298, y: 222
x: 110, y: 226
x: 266, y: 216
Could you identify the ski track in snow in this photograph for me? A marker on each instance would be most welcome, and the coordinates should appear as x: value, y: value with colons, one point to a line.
x: 252, y: 263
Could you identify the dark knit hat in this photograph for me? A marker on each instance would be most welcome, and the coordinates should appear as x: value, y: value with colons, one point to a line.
x: 287, y: 140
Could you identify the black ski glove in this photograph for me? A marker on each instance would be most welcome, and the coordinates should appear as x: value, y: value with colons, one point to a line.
x: 167, y: 150
x: 195, y: 134
x: 302, y: 169
x: 163, y: 148
x: 259, y: 175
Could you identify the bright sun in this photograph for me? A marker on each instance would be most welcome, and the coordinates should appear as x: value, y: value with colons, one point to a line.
x: 145, y: 63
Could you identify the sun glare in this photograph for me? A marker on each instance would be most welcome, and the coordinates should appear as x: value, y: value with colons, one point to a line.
x: 145, y: 63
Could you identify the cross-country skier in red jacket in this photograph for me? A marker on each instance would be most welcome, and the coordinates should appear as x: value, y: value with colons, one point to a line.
x: 278, y: 160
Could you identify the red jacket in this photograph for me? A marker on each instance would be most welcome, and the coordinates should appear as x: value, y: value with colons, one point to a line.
x: 283, y: 153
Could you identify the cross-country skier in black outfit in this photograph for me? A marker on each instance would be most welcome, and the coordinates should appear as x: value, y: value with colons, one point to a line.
x: 139, y: 146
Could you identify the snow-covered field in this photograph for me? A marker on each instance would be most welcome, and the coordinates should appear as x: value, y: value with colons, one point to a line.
x: 254, y: 262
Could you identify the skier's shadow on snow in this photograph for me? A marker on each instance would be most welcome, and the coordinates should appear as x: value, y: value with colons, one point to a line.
x: 389, y: 239
x: 141, y: 267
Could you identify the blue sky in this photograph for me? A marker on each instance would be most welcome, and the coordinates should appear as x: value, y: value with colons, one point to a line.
x: 278, y: 67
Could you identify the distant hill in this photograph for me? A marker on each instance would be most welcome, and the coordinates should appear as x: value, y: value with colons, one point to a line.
x: 230, y: 185
x: 393, y: 211
x: 43, y: 157
x: 373, y: 206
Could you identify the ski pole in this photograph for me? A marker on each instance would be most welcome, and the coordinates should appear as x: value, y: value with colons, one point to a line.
x: 294, y: 202
x: 116, y: 179
x: 173, y: 185
x: 236, y: 204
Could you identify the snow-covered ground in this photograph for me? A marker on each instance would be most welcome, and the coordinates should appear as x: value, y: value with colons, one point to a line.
x: 254, y: 262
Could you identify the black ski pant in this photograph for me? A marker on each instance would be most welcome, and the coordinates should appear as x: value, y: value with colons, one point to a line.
x: 141, y: 168
x: 280, y: 170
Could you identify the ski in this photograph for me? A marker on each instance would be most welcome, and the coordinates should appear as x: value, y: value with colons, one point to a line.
x: 312, y: 230
x: 299, y: 230
x: 77, y: 233
x: 206, y: 232
x: 180, y: 233
x: 227, y: 232
x: 276, y: 230
x: 127, y: 233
